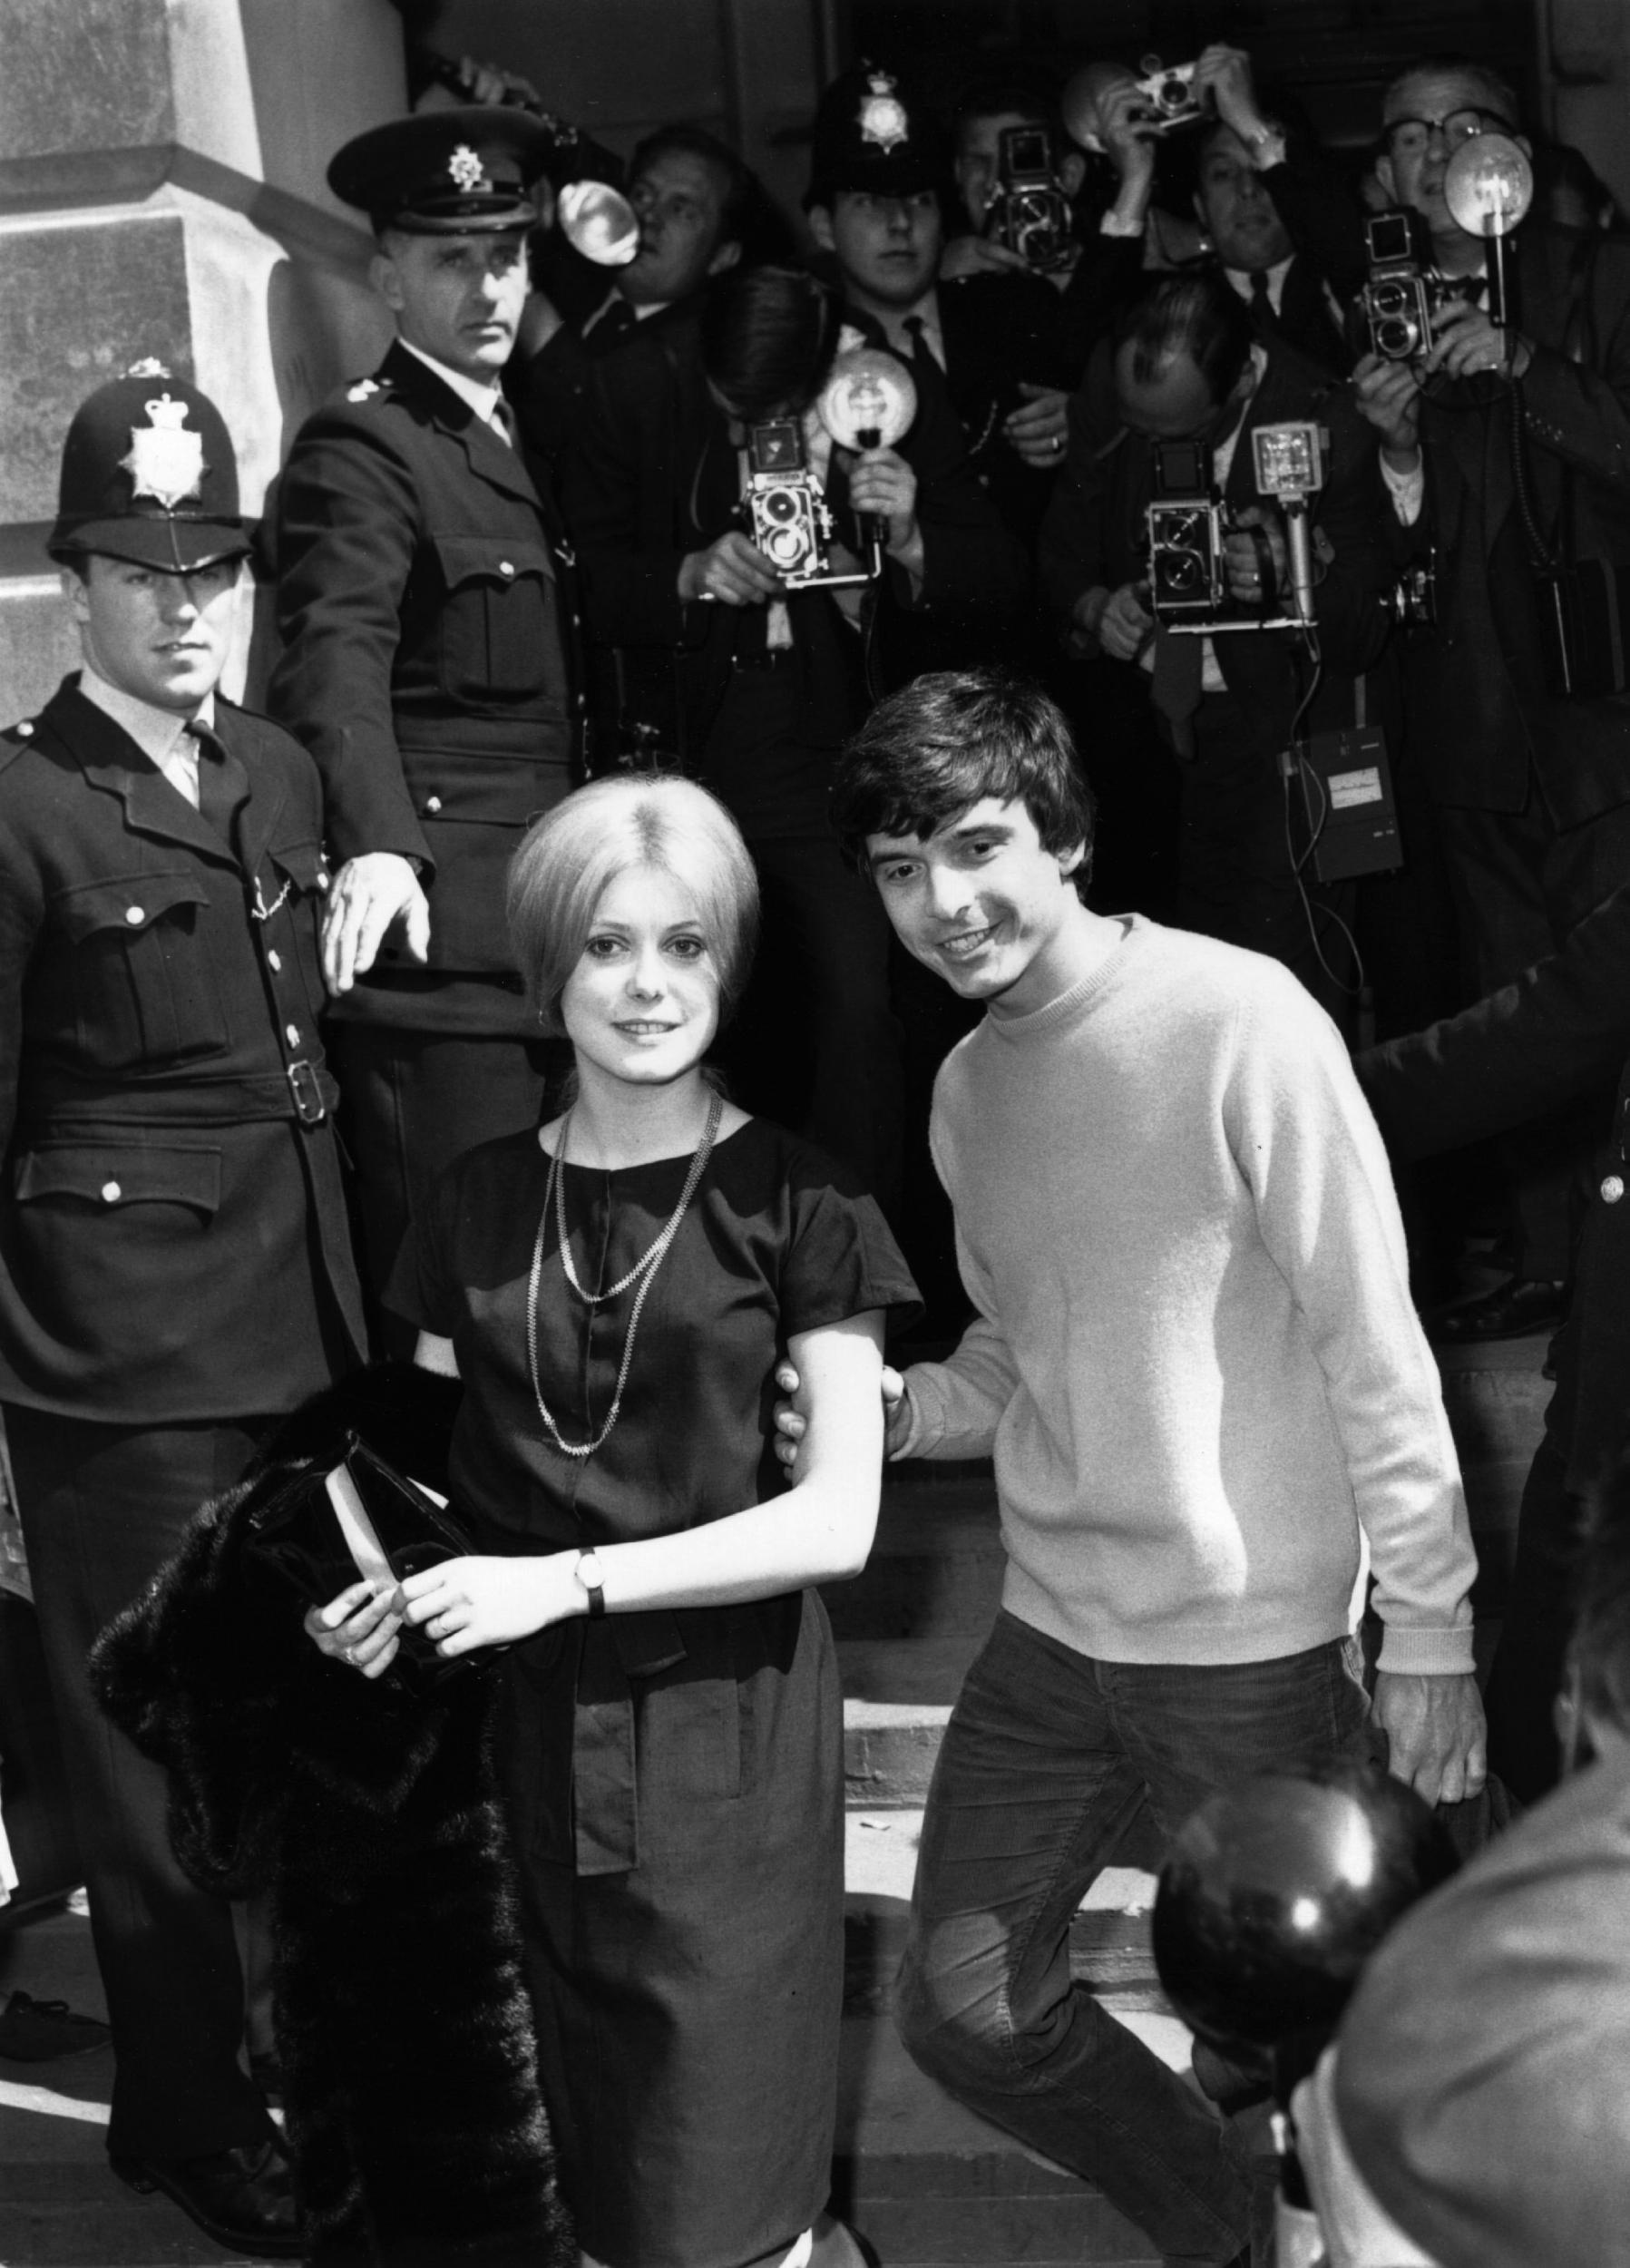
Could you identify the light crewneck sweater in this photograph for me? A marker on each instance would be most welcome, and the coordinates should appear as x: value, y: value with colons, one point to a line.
x: 1195, y: 1362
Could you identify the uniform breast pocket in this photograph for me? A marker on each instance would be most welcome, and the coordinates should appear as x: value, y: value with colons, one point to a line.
x: 302, y: 877
x: 496, y: 635
x: 145, y: 989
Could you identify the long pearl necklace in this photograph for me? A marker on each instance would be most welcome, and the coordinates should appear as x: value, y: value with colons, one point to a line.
x: 643, y: 1273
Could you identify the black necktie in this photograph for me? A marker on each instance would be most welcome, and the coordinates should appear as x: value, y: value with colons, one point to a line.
x: 503, y: 421
x: 222, y: 784
x: 1262, y: 299
x: 918, y: 349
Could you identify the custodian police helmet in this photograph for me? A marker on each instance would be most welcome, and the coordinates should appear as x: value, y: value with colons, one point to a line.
x: 871, y: 133
x: 149, y: 475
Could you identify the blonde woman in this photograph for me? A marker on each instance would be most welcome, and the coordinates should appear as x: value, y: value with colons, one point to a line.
x: 615, y: 1292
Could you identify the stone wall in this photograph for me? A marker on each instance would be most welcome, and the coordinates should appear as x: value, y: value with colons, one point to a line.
x: 162, y: 194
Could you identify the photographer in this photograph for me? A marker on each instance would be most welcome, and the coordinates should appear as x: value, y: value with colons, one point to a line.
x: 696, y: 203
x: 993, y: 342
x: 756, y: 685
x: 1185, y: 366
x: 1503, y: 449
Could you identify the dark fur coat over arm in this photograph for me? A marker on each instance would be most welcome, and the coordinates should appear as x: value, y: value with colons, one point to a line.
x: 370, y: 1814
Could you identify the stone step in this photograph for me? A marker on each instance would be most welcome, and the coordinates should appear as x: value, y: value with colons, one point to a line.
x: 910, y: 1624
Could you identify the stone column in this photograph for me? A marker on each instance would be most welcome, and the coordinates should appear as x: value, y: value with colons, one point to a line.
x: 162, y: 194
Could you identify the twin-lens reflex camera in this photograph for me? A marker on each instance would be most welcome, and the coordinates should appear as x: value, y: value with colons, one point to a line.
x: 791, y: 523
x: 1404, y: 293
x: 1028, y: 211
x: 1187, y: 527
x: 868, y: 402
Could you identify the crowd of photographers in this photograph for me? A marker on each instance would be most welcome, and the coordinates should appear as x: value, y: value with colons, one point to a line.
x: 1295, y: 478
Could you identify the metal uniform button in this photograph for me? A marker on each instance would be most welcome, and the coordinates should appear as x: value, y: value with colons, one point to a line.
x: 1613, y: 1188
x: 291, y: 1032
x: 432, y: 803
x: 135, y: 915
x: 110, y: 1193
x: 322, y: 878
x: 274, y: 959
x: 25, y: 730
x: 506, y: 568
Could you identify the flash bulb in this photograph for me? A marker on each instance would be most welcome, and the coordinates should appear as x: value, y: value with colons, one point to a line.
x: 598, y: 221
x: 869, y: 399
x: 1489, y: 185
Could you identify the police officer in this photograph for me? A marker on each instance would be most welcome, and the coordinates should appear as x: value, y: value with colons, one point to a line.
x: 425, y: 599
x: 174, y: 1265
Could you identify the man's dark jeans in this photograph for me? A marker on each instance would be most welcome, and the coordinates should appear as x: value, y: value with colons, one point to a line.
x: 1049, y: 1759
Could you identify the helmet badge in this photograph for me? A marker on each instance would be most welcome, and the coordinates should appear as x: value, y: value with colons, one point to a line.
x: 166, y: 460
x: 883, y: 118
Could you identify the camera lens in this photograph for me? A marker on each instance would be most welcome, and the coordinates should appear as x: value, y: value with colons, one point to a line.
x: 779, y: 505
x: 1396, y: 339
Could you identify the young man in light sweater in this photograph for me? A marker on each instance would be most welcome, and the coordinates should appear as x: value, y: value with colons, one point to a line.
x: 1197, y: 1368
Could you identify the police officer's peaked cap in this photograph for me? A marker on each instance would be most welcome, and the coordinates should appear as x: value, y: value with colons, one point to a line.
x: 149, y: 475
x: 447, y: 173
x: 873, y: 132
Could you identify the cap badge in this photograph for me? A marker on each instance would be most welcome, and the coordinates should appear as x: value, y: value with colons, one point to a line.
x: 466, y: 169
x: 166, y: 461
x: 882, y: 118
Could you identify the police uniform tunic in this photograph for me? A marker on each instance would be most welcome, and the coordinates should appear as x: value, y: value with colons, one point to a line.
x: 425, y: 604
x: 174, y: 1271
x: 425, y: 599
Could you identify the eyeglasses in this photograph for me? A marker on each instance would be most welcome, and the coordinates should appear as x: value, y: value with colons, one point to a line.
x: 1410, y: 137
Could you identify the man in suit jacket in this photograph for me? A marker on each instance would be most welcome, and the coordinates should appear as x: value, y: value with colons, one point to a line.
x: 696, y: 203
x: 1533, y: 789
x: 1560, y: 1031
x: 175, y: 1269
x: 1186, y: 367
x: 425, y: 604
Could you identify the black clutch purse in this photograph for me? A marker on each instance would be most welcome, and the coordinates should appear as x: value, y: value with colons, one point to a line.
x: 362, y: 1517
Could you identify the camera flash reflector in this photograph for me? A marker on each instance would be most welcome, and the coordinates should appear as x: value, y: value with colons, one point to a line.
x: 1289, y: 459
x: 869, y: 399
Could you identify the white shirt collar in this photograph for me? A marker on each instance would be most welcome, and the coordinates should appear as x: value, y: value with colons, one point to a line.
x: 482, y: 398
x: 155, y: 731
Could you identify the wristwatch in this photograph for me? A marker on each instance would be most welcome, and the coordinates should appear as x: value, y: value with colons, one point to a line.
x: 587, y: 1572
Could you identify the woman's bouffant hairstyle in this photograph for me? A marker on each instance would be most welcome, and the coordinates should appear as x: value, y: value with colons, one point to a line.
x: 572, y: 855
x: 768, y: 335
x: 947, y: 740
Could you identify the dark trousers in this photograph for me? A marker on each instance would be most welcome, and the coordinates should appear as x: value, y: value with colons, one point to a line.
x: 412, y: 1102
x: 1242, y: 843
x: 1521, y: 886
x: 102, y: 1507
x: 815, y: 1044
x: 1048, y: 1763
x: 1526, y: 1675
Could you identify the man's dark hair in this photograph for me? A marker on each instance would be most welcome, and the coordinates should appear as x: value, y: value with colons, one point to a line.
x: 746, y: 216
x: 946, y: 741
x: 1018, y: 98
x: 1449, y: 59
x: 1200, y: 316
x: 767, y: 337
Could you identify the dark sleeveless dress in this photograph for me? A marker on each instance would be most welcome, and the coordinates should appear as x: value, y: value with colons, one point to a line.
x: 674, y: 1779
